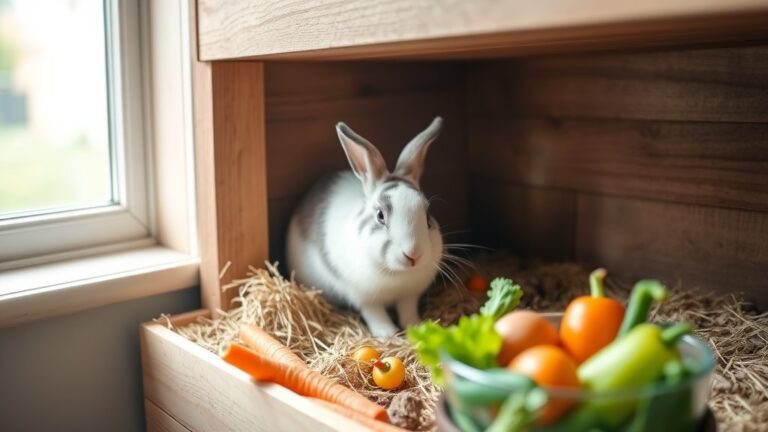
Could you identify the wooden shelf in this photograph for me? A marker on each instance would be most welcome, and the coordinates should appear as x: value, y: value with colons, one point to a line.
x: 332, y: 30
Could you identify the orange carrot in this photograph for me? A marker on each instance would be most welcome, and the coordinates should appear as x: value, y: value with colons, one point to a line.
x: 300, y: 379
x: 257, y: 339
x: 374, y: 425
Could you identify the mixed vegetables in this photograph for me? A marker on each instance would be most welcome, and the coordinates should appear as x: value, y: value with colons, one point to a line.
x: 604, y: 369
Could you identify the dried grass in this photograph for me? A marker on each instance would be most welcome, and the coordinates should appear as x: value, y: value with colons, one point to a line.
x: 324, y: 336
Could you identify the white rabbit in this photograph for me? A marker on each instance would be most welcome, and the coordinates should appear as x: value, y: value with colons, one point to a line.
x: 365, y: 237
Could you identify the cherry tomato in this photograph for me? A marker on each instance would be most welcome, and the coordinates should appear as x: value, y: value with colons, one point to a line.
x: 548, y: 366
x: 520, y: 330
x: 388, y: 373
x: 366, y: 354
x: 477, y: 284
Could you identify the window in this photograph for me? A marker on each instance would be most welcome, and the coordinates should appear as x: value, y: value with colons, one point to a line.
x: 73, y: 171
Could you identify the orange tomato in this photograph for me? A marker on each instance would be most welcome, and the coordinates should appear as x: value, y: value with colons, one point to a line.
x: 388, y: 373
x: 520, y: 330
x: 477, y: 284
x: 590, y: 322
x: 548, y: 366
x: 366, y: 354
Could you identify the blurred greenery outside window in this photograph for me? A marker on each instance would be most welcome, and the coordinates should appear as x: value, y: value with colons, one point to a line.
x: 55, y: 151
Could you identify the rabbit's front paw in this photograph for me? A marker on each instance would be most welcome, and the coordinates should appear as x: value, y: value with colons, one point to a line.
x: 384, y: 331
x: 378, y: 321
x: 408, y: 311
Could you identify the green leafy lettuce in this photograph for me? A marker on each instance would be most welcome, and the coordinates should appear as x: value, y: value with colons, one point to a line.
x: 472, y: 340
x: 503, y: 297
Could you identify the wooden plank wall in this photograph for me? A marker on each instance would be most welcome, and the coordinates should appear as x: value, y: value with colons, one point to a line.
x: 388, y: 103
x: 654, y: 164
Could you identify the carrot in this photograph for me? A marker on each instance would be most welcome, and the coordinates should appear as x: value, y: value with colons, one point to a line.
x: 300, y: 379
x: 257, y: 339
x: 374, y: 425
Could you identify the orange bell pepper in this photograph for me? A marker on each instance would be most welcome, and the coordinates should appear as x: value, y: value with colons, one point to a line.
x: 590, y: 322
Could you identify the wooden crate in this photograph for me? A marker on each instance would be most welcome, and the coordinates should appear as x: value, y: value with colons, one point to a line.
x: 187, y: 388
x: 639, y: 142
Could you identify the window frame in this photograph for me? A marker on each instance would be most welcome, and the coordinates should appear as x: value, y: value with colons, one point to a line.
x: 168, y: 259
x: 63, y: 234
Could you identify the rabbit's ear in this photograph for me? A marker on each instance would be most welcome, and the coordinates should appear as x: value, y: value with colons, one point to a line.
x: 410, y: 164
x: 365, y: 159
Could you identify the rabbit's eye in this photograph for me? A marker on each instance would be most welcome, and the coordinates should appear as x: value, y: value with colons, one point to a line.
x: 380, y: 216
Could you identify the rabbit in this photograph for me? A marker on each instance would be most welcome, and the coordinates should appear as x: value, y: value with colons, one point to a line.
x: 365, y: 237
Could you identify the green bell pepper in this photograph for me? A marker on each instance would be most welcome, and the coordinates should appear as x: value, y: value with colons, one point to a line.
x: 631, y: 362
x: 644, y: 293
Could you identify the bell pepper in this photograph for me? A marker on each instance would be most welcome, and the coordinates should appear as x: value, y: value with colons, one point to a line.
x: 631, y: 362
x: 644, y: 293
x: 590, y: 322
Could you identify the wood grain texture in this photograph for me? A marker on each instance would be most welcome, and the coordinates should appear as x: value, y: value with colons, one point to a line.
x: 231, y: 174
x: 207, y: 394
x: 715, y: 249
x: 716, y: 85
x: 667, y: 152
x: 159, y: 421
x: 241, y: 174
x: 324, y: 29
x: 707, y: 163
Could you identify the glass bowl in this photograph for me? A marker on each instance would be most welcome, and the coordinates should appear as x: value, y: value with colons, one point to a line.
x: 475, y: 397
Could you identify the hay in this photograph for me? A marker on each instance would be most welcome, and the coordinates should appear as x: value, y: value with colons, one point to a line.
x: 324, y: 336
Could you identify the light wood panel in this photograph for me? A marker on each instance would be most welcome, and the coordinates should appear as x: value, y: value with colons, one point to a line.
x: 714, y: 249
x: 159, y: 421
x: 231, y: 176
x: 190, y: 383
x: 324, y: 29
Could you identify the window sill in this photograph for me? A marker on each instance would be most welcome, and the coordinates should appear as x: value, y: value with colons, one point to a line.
x: 48, y: 290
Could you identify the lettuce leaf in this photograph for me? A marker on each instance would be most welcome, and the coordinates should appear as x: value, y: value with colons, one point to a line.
x: 472, y: 340
x: 503, y: 297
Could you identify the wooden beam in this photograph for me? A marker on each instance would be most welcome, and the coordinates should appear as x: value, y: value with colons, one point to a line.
x: 333, y: 30
x: 230, y: 158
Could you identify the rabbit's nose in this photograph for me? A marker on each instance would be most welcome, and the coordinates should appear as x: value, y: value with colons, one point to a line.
x: 412, y: 258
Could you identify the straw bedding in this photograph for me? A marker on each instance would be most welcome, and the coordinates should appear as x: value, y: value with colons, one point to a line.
x: 325, y: 336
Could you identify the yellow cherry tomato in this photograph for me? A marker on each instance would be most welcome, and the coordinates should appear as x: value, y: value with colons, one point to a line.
x: 388, y: 373
x: 366, y: 354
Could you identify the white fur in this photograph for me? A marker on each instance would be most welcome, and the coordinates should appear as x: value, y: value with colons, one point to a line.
x: 354, y: 271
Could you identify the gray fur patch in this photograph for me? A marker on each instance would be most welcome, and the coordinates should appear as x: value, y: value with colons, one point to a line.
x: 389, y: 186
x: 385, y: 247
x: 312, y: 208
x: 376, y: 227
x: 311, y: 219
x: 394, y: 179
x: 386, y: 202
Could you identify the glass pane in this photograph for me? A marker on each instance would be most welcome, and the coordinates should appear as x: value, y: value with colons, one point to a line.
x: 54, y: 119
